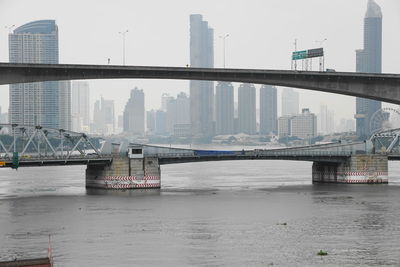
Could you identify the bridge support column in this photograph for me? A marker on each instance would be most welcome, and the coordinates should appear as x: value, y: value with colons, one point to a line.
x: 125, y: 173
x: 358, y: 169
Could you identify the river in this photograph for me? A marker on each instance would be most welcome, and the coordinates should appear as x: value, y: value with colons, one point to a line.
x: 237, y: 213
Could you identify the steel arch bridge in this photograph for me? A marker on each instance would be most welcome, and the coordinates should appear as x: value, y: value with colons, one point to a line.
x: 27, y: 145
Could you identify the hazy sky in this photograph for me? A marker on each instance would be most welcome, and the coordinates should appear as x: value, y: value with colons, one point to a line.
x: 262, y: 34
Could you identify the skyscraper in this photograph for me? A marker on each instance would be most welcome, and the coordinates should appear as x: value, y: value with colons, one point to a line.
x: 326, y: 120
x: 161, y: 121
x: 134, y: 113
x: 290, y: 102
x: 165, y: 98
x: 151, y: 121
x: 44, y: 103
x: 201, y: 92
x: 103, y: 117
x: 369, y: 59
x: 247, y: 109
x: 224, y: 108
x: 178, y: 113
x: 268, y: 110
x: 120, y: 124
x: 80, y: 106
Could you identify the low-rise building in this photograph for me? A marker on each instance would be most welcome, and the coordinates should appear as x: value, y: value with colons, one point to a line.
x: 284, y: 126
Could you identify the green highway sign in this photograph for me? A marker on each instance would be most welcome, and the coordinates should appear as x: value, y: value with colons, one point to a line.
x: 299, y: 55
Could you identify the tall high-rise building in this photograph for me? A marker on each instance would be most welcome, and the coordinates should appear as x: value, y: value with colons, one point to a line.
x: 151, y: 121
x: 103, y: 117
x: 134, y: 113
x: 326, y: 120
x: 290, y: 102
x: 268, y: 110
x: 178, y: 113
x: 247, y: 109
x: 161, y: 122
x: 165, y: 98
x: 369, y: 59
x: 120, y: 124
x: 201, y: 92
x: 224, y: 108
x: 43, y: 103
x: 80, y: 106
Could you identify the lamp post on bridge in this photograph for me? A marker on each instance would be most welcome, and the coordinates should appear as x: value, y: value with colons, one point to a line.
x: 322, y: 60
x: 223, y: 37
x: 123, y: 45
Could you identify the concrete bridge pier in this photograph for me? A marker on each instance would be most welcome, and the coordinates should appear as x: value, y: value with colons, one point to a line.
x: 125, y: 173
x: 357, y: 169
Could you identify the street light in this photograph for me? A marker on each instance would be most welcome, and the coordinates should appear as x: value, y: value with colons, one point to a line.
x: 320, y: 42
x: 223, y: 37
x: 123, y: 45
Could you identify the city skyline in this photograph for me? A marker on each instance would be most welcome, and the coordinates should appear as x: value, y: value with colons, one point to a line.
x: 199, y: 171
x: 238, y: 41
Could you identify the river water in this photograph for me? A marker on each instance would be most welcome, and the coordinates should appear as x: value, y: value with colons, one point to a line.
x: 238, y: 213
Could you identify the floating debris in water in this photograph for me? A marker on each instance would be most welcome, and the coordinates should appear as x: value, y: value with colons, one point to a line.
x: 322, y: 253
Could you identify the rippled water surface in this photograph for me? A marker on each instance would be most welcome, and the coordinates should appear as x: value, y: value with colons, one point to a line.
x: 239, y: 213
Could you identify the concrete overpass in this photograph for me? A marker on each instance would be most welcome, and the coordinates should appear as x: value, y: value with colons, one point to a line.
x: 382, y: 87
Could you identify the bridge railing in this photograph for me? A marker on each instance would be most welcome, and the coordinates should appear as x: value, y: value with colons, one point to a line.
x: 256, y: 154
x: 326, y: 150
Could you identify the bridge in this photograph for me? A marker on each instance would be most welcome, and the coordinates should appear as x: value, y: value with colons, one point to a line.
x: 114, y: 166
x: 382, y: 87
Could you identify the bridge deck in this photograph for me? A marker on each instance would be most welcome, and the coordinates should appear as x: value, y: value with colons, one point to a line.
x: 187, y: 159
x: 382, y: 87
x: 56, y: 162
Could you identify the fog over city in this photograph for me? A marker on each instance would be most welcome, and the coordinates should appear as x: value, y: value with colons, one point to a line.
x: 154, y: 172
x: 261, y: 35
